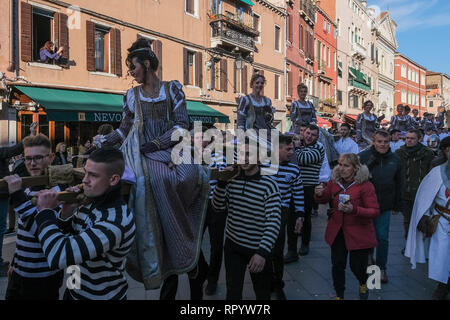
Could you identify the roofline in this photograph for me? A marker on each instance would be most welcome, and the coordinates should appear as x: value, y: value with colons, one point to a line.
x: 326, y: 16
x: 410, y: 60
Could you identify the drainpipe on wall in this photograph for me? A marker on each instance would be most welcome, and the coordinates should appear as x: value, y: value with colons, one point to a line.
x: 12, y: 37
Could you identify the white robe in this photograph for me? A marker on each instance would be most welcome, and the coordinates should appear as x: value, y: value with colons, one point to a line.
x: 436, y: 248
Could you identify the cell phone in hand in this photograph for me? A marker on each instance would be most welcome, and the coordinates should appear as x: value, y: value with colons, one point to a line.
x: 344, y: 198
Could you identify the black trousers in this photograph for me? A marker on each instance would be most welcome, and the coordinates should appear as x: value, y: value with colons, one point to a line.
x: 21, y: 288
x: 196, y: 279
x: 278, y: 258
x: 306, y: 229
x: 407, y: 211
x: 236, y: 261
x: 215, y: 222
x: 358, y: 263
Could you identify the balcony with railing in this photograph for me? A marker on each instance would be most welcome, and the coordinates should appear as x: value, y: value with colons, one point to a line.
x: 307, y: 11
x: 359, y: 51
x: 229, y: 32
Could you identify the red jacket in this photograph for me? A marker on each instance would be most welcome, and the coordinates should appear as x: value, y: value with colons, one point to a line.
x: 358, y: 228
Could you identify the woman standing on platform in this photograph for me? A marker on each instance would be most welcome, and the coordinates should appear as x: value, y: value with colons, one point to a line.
x: 169, y: 201
x: 255, y: 111
x: 366, y: 125
x: 302, y: 111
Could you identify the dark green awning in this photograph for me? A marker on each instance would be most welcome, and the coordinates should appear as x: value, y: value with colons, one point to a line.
x: 359, y: 79
x: 247, y: 2
x: 73, y: 105
x: 198, y: 111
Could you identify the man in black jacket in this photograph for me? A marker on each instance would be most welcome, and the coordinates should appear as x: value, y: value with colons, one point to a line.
x: 5, y: 154
x: 385, y: 168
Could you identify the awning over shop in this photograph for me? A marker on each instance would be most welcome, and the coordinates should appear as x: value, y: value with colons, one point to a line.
x: 321, y: 122
x: 247, y: 2
x: 198, y: 111
x: 360, y: 80
x: 73, y: 105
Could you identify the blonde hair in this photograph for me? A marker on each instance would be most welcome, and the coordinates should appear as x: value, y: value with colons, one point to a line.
x: 362, y: 173
x: 58, y: 146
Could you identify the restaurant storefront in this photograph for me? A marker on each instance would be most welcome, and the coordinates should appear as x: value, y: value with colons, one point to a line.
x: 72, y: 116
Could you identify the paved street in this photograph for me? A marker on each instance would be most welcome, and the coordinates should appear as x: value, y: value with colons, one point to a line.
x: 310, y: 277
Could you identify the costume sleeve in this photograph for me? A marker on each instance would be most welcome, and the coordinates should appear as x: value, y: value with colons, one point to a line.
x: 179, y: 115
x: 307, y: 156
x: 220, y: 196
x: 298, y: 195
x: 314, y: 115
x: 359, y: 120
x: 120, y: 134
x: 393, y: 122
x: 293, y: 113
x: 242, y: 112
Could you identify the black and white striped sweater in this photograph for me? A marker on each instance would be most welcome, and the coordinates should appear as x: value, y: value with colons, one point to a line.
x: 310, y: 160
x: 96, y: 239
x: 254, y: 211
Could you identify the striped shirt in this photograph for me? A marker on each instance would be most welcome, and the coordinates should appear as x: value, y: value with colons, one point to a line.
x: 254, y: 211
x: 290, y: 184
x: 29, y: 259
x: 310, y: 160
x: 96, y: 239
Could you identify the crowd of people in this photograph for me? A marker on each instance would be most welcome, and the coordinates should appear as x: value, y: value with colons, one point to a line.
x: 157, y: 233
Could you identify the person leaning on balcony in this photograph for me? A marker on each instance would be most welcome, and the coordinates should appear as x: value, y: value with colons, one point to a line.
x: 47, y: 52
x: 302, y: 111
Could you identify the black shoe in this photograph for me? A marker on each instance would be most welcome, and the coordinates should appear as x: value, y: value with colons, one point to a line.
x: 291, y: 256
x: 279, y: 293
x: 211, y: 288
x: 304, y: 250
x: 441, y: 292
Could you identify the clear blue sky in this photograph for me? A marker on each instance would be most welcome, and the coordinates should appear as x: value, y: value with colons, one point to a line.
x: 423, y: 30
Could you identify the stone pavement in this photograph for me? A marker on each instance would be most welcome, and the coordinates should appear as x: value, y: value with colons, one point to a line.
x: 310, y: 277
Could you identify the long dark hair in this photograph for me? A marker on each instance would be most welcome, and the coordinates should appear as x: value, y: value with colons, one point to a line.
x: 141, y: 49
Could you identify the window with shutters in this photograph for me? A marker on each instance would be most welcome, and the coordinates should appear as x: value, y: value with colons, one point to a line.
x: 277, y: 87
x: 277, y: 38
x: 102, y: 54
x: 215, y: 75
x: 431, y: 104
x: 289, y: 28
x: 43, y: 23
x: 403, y: 71
x: 403, y: 96
x: 300, y: 40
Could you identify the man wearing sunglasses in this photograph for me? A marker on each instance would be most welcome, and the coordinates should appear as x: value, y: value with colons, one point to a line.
x: 30, y: 277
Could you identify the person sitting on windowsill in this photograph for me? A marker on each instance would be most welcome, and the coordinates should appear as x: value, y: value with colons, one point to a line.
x: 47, y: 52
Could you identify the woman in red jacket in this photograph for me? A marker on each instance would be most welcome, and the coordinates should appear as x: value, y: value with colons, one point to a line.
x: 350, y: 227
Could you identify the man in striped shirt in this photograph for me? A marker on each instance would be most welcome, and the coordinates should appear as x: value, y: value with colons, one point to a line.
x: 30, y: 277
x: 93, y: 239
x: 253, y: 202
x: 290, y: 184
x: 310, y: 155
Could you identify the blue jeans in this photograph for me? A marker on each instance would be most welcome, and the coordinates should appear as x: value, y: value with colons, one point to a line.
x: 382, y: 223
x: 3, y: 215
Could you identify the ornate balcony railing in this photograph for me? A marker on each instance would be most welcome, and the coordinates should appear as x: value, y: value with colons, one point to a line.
x: 226, y: 33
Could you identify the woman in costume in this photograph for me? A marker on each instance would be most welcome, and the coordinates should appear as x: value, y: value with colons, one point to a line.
x: 401, y: 121
x: 302, y: 111
x: 366, y: 125
x: 169, y: 201
x: 255, y: 111
x: 432, y: 202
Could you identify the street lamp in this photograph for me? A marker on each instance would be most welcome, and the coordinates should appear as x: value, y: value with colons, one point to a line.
x: 240, y: 62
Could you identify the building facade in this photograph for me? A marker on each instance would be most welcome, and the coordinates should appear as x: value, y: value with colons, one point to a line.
x: 325, y: 65
x: 357, y: 57
x: 387, y: 46
x: 411, y: 83
x: 438, y: 91
x: 200, y: 51
x: 299, y: 48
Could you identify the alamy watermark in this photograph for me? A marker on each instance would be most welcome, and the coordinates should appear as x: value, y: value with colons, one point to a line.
x: 263, y: 146
x: 73, y: 282
x: 374, y: 280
